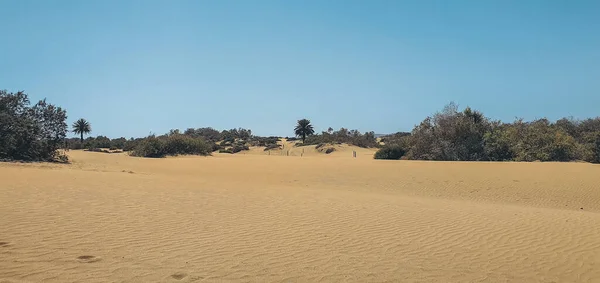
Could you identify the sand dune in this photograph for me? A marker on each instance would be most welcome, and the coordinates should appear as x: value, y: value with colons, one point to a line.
x: 289, y: 149
x: 317, y: 218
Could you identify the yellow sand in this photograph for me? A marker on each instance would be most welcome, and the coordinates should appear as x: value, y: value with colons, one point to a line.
x: 318, y: 218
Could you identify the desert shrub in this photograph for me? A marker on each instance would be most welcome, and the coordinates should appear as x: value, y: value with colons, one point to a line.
x: 102, y: 142
x: 73, y: 143
x: 353, y: 137
x: 233, y: 134
x: 118, y: 143
x: 596, y: 149
x: 499, y: 144
x: 394, y: 152
x: 366, y: 140
x: 311, y: 140
x: 113, y: 148
x: 208, y: 134
x: 541, y: 141
x: 329, y: 150
x: 264, y: 141
x: 239, y: 147
x: 181, y: 144
x: 394, y: 138
x: 225, y: 151
x: 450, y: 135
x: 469, y: 135
x: 97, y: 142
x: 150, y: 147
x: 30, y: 133
x: 319, y: 146
x: 590, y: 148
x: 215, y: 147
x: 131, y: 144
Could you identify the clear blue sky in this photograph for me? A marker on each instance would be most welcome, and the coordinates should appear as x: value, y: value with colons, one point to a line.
x: 131, y: 67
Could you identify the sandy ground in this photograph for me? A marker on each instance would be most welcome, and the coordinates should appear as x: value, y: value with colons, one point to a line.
x: 318, y: 218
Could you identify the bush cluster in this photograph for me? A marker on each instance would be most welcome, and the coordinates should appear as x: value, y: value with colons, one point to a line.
x: 176, y: 144
x: 239, y: 147
x: 468, y: 135
x: 96, y: 142
x: 35, y: 133
x: 390, y: 152
x: 30, y: 133
x: 352, y: 137
x: 264, y: 141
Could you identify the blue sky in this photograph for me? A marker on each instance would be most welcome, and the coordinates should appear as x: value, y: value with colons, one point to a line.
x: 134, y: 67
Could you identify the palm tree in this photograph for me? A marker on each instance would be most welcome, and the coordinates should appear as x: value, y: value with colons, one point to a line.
x: 81, y: 127
x: 303, y: 129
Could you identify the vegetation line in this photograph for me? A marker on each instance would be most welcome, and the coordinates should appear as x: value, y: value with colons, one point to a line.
x: 38, y: 132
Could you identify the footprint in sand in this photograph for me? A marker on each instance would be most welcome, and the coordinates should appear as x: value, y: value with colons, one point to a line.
x: 179, y: 275
x: 88, y: 258
x: 4, y: 244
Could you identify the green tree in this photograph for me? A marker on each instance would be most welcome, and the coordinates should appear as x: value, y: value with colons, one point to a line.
x: 304, y: 129
x: 31, y: 133
x: 596, y: 149
x: 82, y: 127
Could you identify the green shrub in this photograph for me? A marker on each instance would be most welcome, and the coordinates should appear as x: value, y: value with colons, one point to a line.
x: 208, y: 134
x: 118, y: 143
x: 30, y: 133
x: 264, y: 141
x: 595, y: 148
x: 311, y: 140
x: 131, y: 144
x: 181, y: 144
x: 175, y: 144
x: 353, y: 137
x: 239, y: 147
x: 150, y: 147
x: 394, y: 152
x: 73, y: 143
x: 215, y: 147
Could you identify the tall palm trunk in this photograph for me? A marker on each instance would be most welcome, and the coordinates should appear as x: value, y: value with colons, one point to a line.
x: 81, y: 137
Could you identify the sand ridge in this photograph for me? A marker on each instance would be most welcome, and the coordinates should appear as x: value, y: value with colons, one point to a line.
x: 261, y: 218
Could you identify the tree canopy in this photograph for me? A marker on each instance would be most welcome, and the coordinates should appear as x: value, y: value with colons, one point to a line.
x: 303, y: 129
x: 30, y: 133
x: 82, y: 127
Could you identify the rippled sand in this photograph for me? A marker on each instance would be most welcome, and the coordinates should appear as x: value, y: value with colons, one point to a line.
x: 317, y: 218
